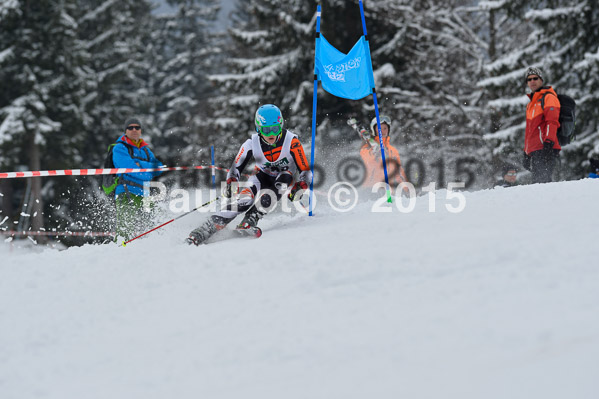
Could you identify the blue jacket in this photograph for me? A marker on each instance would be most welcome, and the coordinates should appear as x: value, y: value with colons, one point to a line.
x: 142, y: 158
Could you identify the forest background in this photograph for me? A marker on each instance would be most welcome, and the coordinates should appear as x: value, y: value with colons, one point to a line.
x: 449, y: 73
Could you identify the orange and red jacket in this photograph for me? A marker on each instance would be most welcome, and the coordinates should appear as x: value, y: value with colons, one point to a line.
x: 541, y: 122
x: 374, y: 164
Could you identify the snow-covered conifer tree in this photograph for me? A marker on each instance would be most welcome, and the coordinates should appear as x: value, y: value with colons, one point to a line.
x: 269, y: 61
x: 42, y: 79
x: 428, y: 58
x: 184, y: 51
x: 116, y: 35
x: 561, y: 37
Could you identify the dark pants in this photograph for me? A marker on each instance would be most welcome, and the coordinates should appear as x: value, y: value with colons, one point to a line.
x: 246, y: 203
x: 542, y: 164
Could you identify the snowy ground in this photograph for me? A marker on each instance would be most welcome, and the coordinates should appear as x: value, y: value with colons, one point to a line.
x: 498, y: 301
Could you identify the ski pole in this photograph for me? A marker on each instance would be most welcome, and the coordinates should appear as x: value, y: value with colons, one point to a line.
x: 170, y: 221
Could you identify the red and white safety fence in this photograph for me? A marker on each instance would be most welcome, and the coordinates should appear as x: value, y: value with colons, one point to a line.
x: 92, y: 172
x: 57, y: 233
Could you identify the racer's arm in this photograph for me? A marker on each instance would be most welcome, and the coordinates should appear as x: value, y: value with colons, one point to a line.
x: 241, y: 160
x: 299, y: 157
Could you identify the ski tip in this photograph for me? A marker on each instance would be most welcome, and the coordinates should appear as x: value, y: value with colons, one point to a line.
x: 250, y: 231
x: 190, y: 241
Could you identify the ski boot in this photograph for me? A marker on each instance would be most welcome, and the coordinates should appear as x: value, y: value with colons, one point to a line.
x: 205, y: 231
x: 249, y: 224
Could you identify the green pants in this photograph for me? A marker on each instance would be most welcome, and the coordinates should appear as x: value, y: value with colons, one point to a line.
x: 131, y: 218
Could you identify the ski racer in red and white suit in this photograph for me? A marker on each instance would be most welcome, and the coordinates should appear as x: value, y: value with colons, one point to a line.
x: 279, y: 156
x: 276, y: 167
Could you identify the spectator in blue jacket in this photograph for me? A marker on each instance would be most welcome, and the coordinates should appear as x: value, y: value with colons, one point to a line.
x: 134, y: 153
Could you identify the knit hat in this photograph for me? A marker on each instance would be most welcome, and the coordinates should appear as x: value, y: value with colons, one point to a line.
x: 534, y: 71
x: 507, y: 167
x: 132, y: 121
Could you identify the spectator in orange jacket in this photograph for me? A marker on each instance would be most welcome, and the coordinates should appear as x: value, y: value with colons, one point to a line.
x: 371, y: 155
x: 541, y: 147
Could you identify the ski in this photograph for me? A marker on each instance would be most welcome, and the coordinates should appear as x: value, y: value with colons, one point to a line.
x: 242, y: 230
x: 250, y: 231
x: 361, y: 132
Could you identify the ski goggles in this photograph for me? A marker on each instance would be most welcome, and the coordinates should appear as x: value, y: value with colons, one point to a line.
x: 273, y: 130
x: 385, y: 119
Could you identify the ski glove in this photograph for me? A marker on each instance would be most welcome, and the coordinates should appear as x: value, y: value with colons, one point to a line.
x: 548, y: 150
x: 300, y: 187
x: 548, y: 145
x: 227, y: 191
x: 366, y: 136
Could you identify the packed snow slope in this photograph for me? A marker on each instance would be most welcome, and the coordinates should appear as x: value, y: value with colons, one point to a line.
x: 498, y: 301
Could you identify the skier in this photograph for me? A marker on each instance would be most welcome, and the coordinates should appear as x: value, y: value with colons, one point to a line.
x: 371, y: 155
x: 278, y: 154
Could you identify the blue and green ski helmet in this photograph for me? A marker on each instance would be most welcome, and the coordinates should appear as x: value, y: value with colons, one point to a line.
x: 269, y: 120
